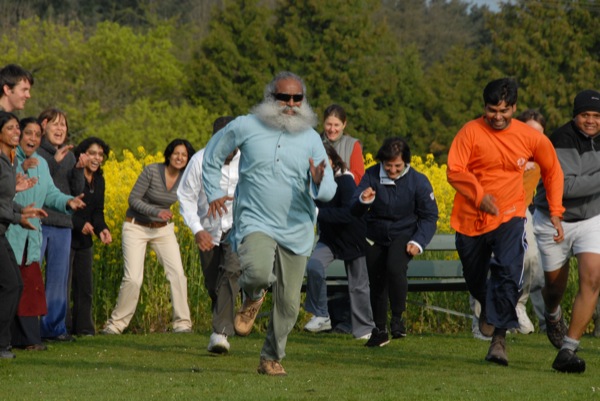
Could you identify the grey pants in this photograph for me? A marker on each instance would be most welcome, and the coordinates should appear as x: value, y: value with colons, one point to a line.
x: 533, y: 275
x: 358, y: 288
x: 221, y: 269
x: 266, y: 263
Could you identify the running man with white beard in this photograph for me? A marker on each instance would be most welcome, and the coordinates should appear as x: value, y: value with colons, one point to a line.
x: 283, y: 167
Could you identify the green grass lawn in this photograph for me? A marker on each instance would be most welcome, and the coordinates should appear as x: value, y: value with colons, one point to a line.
x: 319, y: 366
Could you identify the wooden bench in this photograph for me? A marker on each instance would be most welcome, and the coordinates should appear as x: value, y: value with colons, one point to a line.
x: 423, y: 275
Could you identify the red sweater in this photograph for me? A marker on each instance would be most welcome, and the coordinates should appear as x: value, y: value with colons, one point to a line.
x: 483, y: 161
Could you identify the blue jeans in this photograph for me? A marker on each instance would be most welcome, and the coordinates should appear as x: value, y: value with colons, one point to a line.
x: 500, y: 253
x: 56, y: 247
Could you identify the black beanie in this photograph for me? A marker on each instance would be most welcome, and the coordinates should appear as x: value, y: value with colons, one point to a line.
x: 587, y: 100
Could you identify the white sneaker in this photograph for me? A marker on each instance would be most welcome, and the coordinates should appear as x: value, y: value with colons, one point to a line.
x: 182, y: 330
x: 218, y: 343
x: 525, y: 325
x: 317, y: 324
x: 109, y: 330
x: 365, y: 337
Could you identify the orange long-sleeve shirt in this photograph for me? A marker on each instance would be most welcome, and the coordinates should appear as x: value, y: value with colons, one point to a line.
x: 530, y: 181
x: 357, y: 164
x: 483, y: 161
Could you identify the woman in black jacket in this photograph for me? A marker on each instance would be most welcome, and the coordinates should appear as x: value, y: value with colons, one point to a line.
x: 87, y: 222
x: 401, y: 214
x: 341, y: 236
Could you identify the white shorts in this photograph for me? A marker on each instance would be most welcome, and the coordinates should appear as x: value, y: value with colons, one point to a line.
x: 581, y: 236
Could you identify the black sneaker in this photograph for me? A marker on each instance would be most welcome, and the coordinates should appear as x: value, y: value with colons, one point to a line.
x: 497, y: 351
x: 65, y: 338
x: 397, y: 328
x: 484, y: 327
x: 556, y: 331
x: 567, y: 361
x: 379, y: 338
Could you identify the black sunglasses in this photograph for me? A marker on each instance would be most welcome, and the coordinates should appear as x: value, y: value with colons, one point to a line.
x: 284, y: 97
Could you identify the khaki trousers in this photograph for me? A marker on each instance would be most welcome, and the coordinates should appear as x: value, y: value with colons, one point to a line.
x: 266, y: 263
x: 135, y: 238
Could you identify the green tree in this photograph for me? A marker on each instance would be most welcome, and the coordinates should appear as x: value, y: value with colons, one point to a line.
x: 153, y: 125
x: 455, y: 94
x: 552, y: 50
x: 346, y: 57
x: 235, y: 60
x: 93, y: 78
x: 434, y: 26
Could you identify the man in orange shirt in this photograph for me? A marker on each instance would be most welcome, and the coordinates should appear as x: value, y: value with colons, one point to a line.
x: 486, y: 163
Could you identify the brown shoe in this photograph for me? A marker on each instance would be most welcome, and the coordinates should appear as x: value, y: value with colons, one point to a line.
x: 244, y: 318
x: 484, y: 327
x: 270, y: 368
x: 36, y: 347
x: 497, y: 351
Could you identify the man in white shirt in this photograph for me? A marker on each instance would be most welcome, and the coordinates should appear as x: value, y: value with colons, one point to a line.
x: 220, y: 265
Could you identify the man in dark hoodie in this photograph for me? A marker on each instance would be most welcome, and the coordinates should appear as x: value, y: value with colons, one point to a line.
x: 577, y: 145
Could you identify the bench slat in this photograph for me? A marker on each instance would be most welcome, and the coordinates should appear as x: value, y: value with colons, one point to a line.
x: 442, y: 242
x: 434, y: 268
x: 416, y: 268
x: 423, y: 275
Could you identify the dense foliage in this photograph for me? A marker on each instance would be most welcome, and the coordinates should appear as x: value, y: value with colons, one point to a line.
x: 143, y: 72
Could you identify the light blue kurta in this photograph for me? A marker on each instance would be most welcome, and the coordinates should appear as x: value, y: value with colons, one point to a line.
x: 275, y: 191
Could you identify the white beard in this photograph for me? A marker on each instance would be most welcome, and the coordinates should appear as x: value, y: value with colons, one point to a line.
x: 272, y: 114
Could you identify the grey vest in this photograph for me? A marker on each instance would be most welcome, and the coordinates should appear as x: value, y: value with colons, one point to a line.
x: 343, y: 146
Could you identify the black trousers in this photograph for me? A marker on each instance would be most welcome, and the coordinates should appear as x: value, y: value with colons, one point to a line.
x: 81, y: 289
x: 11, y: 286
x: 25, y: 331
x: 387, y: 267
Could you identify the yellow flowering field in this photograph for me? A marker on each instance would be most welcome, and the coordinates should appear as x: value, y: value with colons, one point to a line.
x: 154, y: 309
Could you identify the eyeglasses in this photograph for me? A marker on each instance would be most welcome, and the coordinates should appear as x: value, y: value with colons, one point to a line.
x: 93, y: 153
x: 284, y: 97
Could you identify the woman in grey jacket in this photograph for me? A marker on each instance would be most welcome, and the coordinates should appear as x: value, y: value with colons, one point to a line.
x: 67, y: 174
x: 148, y: 222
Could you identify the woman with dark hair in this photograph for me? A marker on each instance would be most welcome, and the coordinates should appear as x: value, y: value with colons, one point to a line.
x: 86, y: 223
x: 147, y: 222
x: 341, y: 236
x: 349, y: 149
x: 10, y: 213
x: 26, y: 244
x: 401, y: 214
